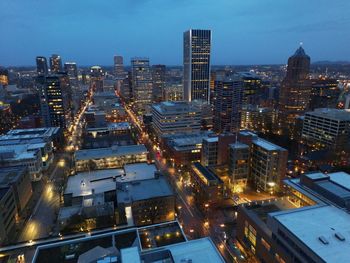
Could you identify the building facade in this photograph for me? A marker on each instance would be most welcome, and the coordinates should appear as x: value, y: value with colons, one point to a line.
x: 197, y: 47
x: 41, y: 66
x: 56, y: 63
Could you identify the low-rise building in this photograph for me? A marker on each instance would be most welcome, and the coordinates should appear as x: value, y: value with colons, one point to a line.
x: 8, y: 214
x: 18, y: 179
x: 150, y: 201
x: 106, y: 158
x: 24, y: 154
x: 208, y: 188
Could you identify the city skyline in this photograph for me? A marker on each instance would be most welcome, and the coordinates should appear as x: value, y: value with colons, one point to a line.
x: 243, y: 33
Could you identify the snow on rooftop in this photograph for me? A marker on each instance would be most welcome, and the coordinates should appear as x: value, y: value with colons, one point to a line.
x: 308, y: 225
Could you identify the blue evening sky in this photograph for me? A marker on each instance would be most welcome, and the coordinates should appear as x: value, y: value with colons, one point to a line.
x: 90, y: 32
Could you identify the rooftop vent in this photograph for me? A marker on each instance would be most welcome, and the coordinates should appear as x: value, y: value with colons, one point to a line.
x: 339, y: 236
x: 323, y: 240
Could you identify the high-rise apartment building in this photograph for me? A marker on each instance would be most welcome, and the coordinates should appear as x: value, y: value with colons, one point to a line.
x: 158, y: 76
x: 239, y: 166
x: 197, y: 46
x: 209, y: 152
x: 55, y: 63
x: 175, y: 117
x: 268, y: 163
x: 41, y: 65
x: 228, y: 104
x: 295, y: 90
x: 142, y: 87
x: 55, y: 99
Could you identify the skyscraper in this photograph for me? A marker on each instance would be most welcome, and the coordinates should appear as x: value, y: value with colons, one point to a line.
x: 41, y: 65
x: 158, y: 76
x: 197, y: 44
x: 96, y: 78
x: 55, y: 63
x: 72, y: 71
x: 142, y: 87
x: 295, y: 90
x: 228, y: 104
x: 55, y: 100
x: 118, y: 67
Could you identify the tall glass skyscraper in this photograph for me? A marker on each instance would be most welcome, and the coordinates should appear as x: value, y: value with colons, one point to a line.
x: 197, y: 45
x: 142, y: 86
x: 55, y: 63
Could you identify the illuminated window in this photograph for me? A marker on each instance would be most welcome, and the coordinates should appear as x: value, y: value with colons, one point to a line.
x: 265, y: 244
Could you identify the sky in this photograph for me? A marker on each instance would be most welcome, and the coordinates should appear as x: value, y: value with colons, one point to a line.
x: 91, y: 32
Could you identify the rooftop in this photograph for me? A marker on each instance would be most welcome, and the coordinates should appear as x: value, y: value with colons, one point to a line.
x: 334, y: 114
x: 30, y: 133
x: 109, y: 152
x: 9, y: 175
x: 172, y: 107
x: 200, y: 170
x: 267, y: 145
x: 309, y: 224
x: 212, y: 139
x: 102, y: 181
x: 239, y: 145
x: 142, y: 190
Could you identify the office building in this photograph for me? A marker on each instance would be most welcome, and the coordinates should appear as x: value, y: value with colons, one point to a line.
x: 72, y: 71
x: 107, y: 158
x: 252, y: 87
x: 239, y: 166
x: 118, y: 67
x: 55, y: 64
x: 8, y: 214
x: 258, y: 119
x: 96, y: 78
x: 158, y: 77
x: 175, y: 117
x: 182, y: 149
x: 142, y: 86
x: 41, y: 66
x: 196, y: 60
x: 55, y: 100
x: 308, y: 224
x: 295, y: 91
x: 173, y: 92
x: 325, y: 93
x: 18, y: 178
x: 4, y: 76
x: 268, y: 163
x: 228, y: 104
x: 326, y: 128
x: 151, y: 201
x: 209, y: 152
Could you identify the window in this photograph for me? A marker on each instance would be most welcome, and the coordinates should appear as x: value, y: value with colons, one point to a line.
x: 250, y: 233
x: 265, y: 244
x: 279, y: 259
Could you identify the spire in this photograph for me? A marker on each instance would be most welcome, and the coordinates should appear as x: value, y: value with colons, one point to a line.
x: 300, y: 52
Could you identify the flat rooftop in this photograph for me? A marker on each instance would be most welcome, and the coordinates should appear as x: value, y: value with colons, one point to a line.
x: 30, y: 133
x: 109, y: 152
x: 239, y: 145
x: 9, y: 175
x: 267, y: 145
x: 102, y: 181
x: 310, y: 223
x: 141, y: 190
x: 204, y: 171
x: 198, y: 250
x: 334, y: 114
x: 212, y: 139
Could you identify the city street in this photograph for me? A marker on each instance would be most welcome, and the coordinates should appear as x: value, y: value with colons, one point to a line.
x: 194, y: 223
x: 43, y: 219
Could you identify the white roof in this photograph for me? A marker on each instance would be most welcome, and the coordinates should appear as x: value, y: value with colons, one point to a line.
x: 267, y: 145
x: 341, y: 178
x: 311, y: 223
x: 198, y: 250
x: 130, y: 255
x: 102, y: 181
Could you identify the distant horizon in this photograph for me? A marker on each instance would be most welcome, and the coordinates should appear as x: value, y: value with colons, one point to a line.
x: 243, y: 32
